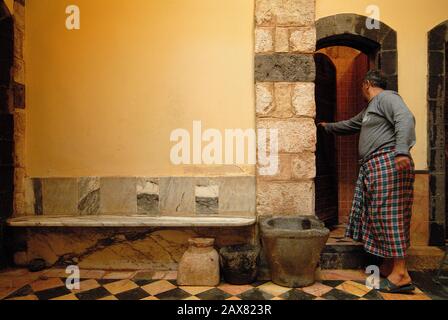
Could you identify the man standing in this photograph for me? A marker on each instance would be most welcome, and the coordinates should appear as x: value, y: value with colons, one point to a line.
x: 381, y: 212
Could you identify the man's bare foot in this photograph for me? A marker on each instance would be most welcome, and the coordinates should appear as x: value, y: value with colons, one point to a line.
x: 400, y: 279
x: 386, y: 268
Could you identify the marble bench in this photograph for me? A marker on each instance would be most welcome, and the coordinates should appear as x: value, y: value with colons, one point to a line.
x: 130, y: 221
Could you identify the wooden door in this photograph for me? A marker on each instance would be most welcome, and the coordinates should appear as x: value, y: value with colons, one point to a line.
x: 326, y: 159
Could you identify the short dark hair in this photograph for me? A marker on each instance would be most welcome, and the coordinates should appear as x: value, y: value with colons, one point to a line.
x: 376, y: 79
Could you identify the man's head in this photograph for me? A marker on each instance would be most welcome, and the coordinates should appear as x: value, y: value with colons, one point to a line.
x: 374, y: 83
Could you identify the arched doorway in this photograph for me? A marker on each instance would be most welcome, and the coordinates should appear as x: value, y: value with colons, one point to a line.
x: 353, y: 49
x: 438, y: 131
x: 6, y: 121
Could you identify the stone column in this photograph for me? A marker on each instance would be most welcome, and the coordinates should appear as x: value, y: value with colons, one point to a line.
x: 285, y: 40
x: 18, y: 87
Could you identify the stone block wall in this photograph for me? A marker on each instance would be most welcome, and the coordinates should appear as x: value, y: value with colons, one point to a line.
x: 438, y: 133
x: 6, y: 117
x: 12, y: 109
x: 285, y: 40
x: 18, y: 87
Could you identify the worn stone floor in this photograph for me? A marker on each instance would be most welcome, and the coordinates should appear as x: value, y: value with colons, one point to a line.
x: 19, y: 284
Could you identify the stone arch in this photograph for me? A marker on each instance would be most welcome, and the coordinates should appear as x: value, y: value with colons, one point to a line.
x: 350, y: 29
x: 437, y: 122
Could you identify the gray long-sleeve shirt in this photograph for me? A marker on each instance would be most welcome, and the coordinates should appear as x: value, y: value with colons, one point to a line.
x: 386, y: 122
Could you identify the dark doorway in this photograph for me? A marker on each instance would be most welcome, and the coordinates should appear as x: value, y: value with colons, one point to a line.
x: 351, y: 66
x: 326, y: 175
x: 337, y: 157
x: 6, y: 123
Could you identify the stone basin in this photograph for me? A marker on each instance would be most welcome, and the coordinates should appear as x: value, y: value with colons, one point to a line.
x: 293, y: 246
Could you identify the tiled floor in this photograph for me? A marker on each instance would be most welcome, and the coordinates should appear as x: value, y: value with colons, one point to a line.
x: 147, y: 285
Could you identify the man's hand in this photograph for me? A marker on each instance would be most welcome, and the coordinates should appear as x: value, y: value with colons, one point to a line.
x: 322, y: 124
x: 402, y: 163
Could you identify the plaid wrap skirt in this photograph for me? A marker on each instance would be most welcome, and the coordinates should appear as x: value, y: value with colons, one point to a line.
x: 380, y: 217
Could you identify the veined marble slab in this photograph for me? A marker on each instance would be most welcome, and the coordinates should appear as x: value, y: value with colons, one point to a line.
x: 179, y: 196
x: 130, y: 221
x: 89, y: 196
x: 148, y: 196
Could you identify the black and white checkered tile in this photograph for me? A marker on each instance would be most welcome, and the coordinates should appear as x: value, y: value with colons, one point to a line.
x: 98, y: 289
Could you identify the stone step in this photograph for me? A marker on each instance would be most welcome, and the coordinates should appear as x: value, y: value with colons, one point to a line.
x: 343, y: 257
x: 354, y: 257
x: 425, y: 258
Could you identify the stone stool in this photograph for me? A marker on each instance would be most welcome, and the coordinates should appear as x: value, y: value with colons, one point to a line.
x: 199, y: 265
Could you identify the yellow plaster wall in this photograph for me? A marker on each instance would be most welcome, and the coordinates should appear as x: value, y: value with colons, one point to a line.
x: 103, y: 100
x: 412, y: 19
